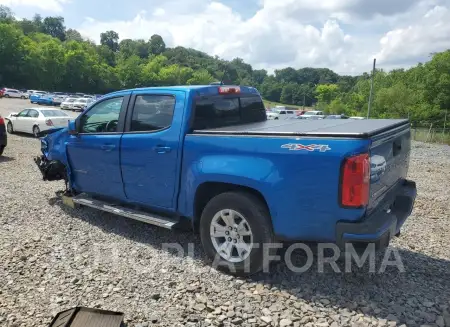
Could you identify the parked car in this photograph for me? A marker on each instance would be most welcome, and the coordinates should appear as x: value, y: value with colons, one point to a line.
x: 49, y: 100
x: 13, y: 93
x: 3, y: 136
x: 278, y: 114
x: 336, y: 117
x: 357, y: 117
x: 68, y: 103
x: 216, y: 164
x: 35, y: 96
x: 313, y: 114
x: 35, y: 120
x: 81, y: 103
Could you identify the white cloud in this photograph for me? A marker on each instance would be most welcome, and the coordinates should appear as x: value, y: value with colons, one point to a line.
x: 48, y: 5
x: 342, y: 35
x: 427, y: 35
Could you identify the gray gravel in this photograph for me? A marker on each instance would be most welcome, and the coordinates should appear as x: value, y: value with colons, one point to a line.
x: 53, y: 258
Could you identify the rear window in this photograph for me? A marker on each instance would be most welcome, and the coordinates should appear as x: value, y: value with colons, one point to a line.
x: 221, y: 111
x: 54, y: 113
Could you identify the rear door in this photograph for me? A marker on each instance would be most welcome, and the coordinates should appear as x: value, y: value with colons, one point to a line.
x: 389, y: 160
x: 151, y: 146
x: 94, y: 154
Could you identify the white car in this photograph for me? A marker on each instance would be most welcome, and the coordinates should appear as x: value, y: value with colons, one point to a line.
x: 13, y: 93
x: 356, y: 117
x: 81, y: 104
x: 278, y: 114
x: 313, y: 114
x: 68, y: 103
x: 35, y: 120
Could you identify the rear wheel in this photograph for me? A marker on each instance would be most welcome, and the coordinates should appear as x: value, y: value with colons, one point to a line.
x: 234, y: 227
x: 9, y: 128
x: 22, y: 97
x: 6, y: 95
x: 36, y: 131
x: 2, y: 148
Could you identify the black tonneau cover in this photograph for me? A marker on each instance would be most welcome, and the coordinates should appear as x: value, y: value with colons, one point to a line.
x: 355, y: 128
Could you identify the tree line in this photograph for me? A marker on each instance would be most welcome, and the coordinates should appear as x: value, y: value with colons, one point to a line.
x: 42, y: 53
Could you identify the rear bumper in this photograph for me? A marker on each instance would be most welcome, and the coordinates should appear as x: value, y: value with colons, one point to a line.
x: 381, y: 226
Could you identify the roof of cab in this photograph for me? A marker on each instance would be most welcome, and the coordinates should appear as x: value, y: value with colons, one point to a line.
x: 202, y: 89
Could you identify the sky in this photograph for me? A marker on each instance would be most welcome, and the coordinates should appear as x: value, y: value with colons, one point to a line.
x: 343, y: 35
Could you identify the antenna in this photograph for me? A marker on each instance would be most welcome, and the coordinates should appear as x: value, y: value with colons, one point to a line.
x: 223, y: 76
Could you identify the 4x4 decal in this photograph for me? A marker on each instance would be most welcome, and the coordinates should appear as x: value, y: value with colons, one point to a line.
x: 309, y: 147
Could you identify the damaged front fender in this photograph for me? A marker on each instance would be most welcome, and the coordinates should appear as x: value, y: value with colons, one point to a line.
x: 53, y: 163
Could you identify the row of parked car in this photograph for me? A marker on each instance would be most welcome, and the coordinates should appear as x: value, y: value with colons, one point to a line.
x: 279, y: 113
x: 70, y: 101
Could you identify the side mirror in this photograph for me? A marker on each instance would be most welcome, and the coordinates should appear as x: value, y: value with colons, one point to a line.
x: 72, y: 127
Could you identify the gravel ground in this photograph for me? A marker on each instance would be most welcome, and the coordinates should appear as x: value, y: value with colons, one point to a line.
x: 53, y: 258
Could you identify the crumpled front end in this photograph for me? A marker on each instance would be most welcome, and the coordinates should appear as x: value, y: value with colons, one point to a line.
x: 53, y: 161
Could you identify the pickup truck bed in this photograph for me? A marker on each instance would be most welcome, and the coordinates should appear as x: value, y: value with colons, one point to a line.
x: 298, y: 127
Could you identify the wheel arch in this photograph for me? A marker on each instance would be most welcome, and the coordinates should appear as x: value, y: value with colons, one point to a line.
x: 208, y: 190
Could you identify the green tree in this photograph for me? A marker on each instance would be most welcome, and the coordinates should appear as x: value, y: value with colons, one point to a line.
x: 156, y: 44
x: 110, y: 39
x: 326, y: 92
x: 73, y: 35
x: 54, y: 26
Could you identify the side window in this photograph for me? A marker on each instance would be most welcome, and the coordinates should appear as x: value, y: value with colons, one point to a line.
x: 103, y: 117
x: 23, y: 113
x: 290, y: 112
x: 282, y: 112
x: 216, y: 111
x: 33, y: 114
x: 152, y: 113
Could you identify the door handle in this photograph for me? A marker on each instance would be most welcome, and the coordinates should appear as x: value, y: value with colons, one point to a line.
x: 108, y: 147
x: 162, y: 149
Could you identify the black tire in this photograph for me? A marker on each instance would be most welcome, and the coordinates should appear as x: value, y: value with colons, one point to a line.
x: 22, y: 97
x: 258, y: 218
x: 6, y: 95
x: 276, y: 118
x: 2, y: 148
x: 9, y: 128
x: 36, y: 131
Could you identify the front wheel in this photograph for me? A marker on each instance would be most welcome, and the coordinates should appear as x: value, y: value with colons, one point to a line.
x: 234, y: 228
x: 10, y: 128
x: 6, y: 95
x: 36, y: 131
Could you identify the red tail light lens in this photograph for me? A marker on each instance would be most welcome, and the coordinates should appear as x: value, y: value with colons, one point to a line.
x: 2, y: 121
x: 49, y: 122
x: 229, y: 89
x: 355, y: 181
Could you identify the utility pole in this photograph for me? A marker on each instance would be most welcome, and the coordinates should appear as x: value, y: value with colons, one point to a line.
x: 371, y: 88
x: 304, y: 100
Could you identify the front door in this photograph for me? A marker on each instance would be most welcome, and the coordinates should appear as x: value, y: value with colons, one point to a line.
x: 94, y: 153
x: 150, y: 148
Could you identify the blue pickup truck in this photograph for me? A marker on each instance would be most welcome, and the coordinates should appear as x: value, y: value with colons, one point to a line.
x: 207, y: 156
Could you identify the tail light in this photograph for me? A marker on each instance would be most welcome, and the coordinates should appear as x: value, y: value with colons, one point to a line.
x: 49, y: 122
x: 355, y: 181
x: 2, y: 121
x: 229, y: 89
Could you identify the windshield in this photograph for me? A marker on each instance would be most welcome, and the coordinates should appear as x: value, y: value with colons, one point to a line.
x: 54, y: 113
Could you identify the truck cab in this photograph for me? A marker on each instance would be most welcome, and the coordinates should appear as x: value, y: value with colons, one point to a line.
x: 207, y: 157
